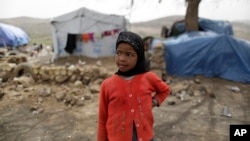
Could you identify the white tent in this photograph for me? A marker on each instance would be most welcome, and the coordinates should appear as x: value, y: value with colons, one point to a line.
x: 87, y: 33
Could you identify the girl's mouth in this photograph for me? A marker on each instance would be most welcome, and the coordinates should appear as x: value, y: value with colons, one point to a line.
x: 122, y: 66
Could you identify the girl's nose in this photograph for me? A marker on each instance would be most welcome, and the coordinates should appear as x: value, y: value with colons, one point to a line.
x: 122, y: 57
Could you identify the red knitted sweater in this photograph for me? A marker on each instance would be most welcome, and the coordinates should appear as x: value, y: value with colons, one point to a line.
x: 123, y: 102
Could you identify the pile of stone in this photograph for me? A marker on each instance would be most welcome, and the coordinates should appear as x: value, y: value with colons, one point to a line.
x: 71, y: 73
x: 158, y: 64
x: 70, y: 94
x: 51, y: 73
x: 77, y: 82
x: 183, y: 90
x: 17, y: 66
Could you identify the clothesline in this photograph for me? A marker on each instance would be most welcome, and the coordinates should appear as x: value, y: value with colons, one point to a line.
x: 86, y: 37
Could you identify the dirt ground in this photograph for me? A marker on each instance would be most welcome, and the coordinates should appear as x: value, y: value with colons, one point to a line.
x: 25, y: 116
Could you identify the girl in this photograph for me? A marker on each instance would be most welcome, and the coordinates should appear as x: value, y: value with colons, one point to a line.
x: 127, y: 97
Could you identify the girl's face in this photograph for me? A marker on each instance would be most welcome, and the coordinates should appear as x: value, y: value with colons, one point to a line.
x: 125, y: 57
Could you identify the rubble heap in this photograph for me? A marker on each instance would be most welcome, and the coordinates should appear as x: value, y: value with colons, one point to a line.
x: 157, y: 63
x: 17, y: 66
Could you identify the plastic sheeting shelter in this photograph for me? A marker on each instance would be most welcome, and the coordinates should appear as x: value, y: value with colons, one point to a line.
x: 208, y: 54
x: 87, y: 33
x: 12, y: 36
x: 217, y: 26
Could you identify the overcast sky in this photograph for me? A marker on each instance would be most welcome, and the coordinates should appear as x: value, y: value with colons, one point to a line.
x: 143, y: 10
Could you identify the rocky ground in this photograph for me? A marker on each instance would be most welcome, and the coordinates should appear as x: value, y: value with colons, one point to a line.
x: 199, y: 108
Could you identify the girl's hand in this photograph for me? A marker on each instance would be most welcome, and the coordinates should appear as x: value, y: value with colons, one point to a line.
x: 154, y: 102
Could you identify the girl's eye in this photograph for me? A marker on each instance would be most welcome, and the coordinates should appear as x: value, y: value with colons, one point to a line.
x: 118, y: 52
x: 129, y: 54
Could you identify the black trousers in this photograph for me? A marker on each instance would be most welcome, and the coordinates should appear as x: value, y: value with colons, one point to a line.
x: 134, y: 138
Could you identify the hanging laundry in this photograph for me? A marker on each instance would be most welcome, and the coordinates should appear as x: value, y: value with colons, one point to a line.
x: 115, y: 31
x: 91, y: 37
x: 71, y: 43
x: 97, y: 36
x: 85, y: 37
x: 107, y: 33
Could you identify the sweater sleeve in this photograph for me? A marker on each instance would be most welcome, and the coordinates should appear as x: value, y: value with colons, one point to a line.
x: 103, y: 114
x: 162, y: 90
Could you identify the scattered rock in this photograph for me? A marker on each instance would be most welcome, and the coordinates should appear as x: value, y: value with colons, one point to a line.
x: 19, y: 87
x: 79, y: 102
x: 87, y: 97
x: 195, y: 111
x: 99, y: 63
x: 36, y: 110
x: 78, y: 84
x: 94, y: 88
x: 86, y: 80
x: 60, y: 96
x: 196, y: 93
x: 24, y: 80
x: 197, y: 81
x: 61, y: 79
x: 39, y: 100
x: 171, y: 102
x: 67, y: 99
x: 1, y: 94
x: 226, y: 112
x: 44, y: 92
x: 235, y: 89
x: 211, y: 95
x: 33, y: 108
x: 73, y: 78
x: 177, y: 87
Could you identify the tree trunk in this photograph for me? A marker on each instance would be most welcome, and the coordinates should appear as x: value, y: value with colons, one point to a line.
x: 191, y: 18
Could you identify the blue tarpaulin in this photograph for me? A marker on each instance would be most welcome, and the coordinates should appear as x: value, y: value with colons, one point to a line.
x: 12, y: 36
x: 209, y: 54
x: 217, y: 26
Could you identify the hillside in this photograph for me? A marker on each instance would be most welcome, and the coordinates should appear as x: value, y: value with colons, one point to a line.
x: 241, y: 29
x: 39, y: 30
x: 153, y: 27
x: 59, y: 101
